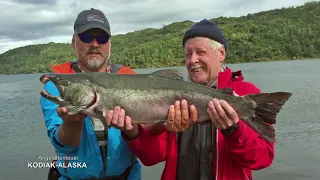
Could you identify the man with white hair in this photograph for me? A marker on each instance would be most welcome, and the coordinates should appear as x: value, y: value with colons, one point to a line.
x: 227, y: 148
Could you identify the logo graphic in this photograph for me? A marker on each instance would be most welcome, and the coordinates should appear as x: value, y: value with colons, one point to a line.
x: 94, y: 17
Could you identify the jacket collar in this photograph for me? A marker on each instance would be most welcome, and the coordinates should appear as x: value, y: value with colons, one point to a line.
x: 226, y: 77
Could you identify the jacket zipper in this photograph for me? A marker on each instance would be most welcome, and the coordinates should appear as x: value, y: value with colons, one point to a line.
x: 217, y: 147
x: 245, y: 173
x: 217, y: 155
x: 217, y: 150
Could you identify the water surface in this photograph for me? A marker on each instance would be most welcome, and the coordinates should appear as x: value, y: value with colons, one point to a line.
x: 297, y: 151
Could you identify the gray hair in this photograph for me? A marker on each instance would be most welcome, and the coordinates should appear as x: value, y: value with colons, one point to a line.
x: 214, y: 44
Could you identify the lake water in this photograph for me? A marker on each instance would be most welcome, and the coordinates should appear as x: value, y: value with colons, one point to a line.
x: 24, y: 139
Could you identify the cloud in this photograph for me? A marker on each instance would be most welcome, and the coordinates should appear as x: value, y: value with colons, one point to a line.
x: 49, y: 2
x: 25, y: 22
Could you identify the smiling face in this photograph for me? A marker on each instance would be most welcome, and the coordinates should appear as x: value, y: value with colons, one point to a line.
x: 204, y: 58
x: 92, y: 56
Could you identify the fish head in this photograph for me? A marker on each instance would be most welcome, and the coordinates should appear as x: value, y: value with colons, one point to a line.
x: 76, y: 91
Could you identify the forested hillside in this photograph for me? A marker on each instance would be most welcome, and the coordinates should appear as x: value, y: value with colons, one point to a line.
x: 287, y: 33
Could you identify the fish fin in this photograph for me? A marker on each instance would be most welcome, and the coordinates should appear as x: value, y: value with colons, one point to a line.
x: 226, y: 90
x: 268, y: 105
x: 264, y: 130
x: 169, y: 73
x: 266, y: 108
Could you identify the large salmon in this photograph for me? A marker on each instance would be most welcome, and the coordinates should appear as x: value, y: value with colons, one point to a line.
x: 146, y: 98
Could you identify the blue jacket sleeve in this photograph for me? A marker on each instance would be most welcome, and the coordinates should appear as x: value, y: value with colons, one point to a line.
x: 53, y: 120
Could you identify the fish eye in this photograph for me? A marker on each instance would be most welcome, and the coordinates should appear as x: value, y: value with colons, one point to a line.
x: 64, y: 83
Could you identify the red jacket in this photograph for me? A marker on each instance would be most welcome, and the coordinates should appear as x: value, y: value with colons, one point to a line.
x: 236, y: 155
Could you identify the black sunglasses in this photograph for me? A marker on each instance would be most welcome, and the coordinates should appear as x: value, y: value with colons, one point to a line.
x: 88, y: 38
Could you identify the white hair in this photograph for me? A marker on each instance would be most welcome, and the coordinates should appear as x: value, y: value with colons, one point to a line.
x: 214, y: 44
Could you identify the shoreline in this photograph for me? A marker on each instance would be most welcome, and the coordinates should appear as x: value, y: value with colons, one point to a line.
x: 182, y: 65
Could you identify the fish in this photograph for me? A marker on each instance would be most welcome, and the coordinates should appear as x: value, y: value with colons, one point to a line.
x: 146, y: 98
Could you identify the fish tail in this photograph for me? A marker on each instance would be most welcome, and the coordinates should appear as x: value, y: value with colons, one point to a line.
x: 266, y: 107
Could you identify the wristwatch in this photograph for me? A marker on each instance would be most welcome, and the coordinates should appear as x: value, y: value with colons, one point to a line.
x: 230, y: 130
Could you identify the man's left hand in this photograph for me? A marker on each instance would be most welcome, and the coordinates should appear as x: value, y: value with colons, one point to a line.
x: 222, y: 114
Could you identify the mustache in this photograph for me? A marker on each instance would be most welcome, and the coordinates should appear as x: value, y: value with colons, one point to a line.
x: 196, y: 66
x: 94, y: 50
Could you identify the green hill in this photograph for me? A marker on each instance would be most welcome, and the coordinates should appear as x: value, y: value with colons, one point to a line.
x: 279, y: 34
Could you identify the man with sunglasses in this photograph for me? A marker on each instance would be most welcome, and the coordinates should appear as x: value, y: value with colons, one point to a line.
x: 101, y: 153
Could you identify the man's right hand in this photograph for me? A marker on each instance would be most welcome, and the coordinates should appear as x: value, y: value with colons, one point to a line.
x: 63, y: 113
x: 180, y: 117
x: 70, y: 131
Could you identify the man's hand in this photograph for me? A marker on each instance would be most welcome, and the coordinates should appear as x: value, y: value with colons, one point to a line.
x: 180, y: 117
x: 222, y: 114
x: 70, y: 131
x: 63, y: 113
x: 117, y: 119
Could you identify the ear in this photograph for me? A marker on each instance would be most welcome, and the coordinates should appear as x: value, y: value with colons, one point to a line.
x: 222, y: 53
x: 73, y: 42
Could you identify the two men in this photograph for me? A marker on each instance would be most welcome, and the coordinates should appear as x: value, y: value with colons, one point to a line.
x: 79, y: 138
x: 225, y: 149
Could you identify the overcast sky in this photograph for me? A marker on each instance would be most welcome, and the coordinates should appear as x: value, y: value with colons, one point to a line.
x: 25, y: 22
